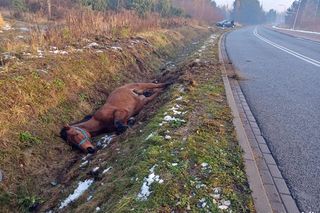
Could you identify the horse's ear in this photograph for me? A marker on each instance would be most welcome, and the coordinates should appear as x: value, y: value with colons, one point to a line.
x: 67, y: 127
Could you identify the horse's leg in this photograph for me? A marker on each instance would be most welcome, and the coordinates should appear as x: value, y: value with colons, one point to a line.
x: 141, y: 87
x: 146, y: 100
x: 121, y: 120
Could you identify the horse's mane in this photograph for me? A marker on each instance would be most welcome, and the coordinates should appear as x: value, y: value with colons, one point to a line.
x: 63, y: 132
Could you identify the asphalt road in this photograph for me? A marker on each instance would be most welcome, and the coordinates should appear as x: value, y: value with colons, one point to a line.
x: 282, y: 88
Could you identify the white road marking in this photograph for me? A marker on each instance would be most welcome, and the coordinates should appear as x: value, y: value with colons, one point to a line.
x: 291, y: 52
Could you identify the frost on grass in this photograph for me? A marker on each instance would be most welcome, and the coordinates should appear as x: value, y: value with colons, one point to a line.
x: 82, y: 187
x: 148, y: 181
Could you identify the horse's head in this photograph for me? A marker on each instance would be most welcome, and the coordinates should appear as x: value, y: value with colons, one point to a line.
x: 78, y: 137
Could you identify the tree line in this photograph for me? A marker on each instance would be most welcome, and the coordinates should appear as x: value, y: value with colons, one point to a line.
x: 204, y: 9
x: 251, y: 12
x: 304, y: 14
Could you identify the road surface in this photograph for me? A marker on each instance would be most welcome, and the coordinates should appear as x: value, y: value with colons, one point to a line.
x: 282, y: 88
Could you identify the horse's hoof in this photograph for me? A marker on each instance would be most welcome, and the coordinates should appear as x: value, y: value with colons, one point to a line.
x: 131, y: 121
x: 91, y: 150
x: 120, y: 127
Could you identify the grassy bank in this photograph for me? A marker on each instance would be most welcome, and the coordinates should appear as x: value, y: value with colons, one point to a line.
x: 49, y: 88
x: 181, y: 156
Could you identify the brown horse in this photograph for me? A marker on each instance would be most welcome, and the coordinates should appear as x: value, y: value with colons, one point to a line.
x: 122, y: 104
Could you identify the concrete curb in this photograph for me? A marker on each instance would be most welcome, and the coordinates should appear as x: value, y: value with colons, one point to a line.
x: 269, y: 189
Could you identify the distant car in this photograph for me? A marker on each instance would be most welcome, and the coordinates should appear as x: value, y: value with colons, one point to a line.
x: 226, y: 23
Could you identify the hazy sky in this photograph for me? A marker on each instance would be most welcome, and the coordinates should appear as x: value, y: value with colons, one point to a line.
x: 279, y: 5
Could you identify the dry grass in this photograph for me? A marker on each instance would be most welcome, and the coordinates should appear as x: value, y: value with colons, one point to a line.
x: 37, y: 104
x: 1, y: 21
x: 86, y: 23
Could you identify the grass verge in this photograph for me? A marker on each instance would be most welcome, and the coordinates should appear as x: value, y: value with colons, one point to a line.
x: 43, y: 93
x: 182, y: 156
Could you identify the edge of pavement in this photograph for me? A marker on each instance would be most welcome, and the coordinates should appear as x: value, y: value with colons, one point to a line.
x: 298, y: 35
x: 269, y: 190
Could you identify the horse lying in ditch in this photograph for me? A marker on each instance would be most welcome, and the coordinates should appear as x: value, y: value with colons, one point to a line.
x: 114, y: 116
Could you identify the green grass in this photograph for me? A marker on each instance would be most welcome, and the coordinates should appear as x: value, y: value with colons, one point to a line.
x: 206, y: 138
x: 28, y: 139
x: 75, y: 85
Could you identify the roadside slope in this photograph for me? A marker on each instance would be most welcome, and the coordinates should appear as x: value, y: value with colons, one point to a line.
x: 51, y: 87
x: 181, y: 156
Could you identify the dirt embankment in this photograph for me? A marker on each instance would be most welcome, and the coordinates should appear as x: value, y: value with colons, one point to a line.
x: 45, y: 89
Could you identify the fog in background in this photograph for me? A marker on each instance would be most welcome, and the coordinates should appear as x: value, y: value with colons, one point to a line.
x: 278, y: 5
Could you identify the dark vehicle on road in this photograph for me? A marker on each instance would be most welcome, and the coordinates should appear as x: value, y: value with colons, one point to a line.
x: 226, y: 23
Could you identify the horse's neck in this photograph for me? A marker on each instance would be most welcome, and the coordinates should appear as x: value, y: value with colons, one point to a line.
x: 91, y: 125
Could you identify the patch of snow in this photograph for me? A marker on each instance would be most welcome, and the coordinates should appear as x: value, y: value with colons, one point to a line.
x: 82, y: 187
x: 107, y: 170
x: 223, y: 207
x: 89, y: 198
x: 197, y: 60
x: 175, y: 112
x: 40, y: 53
x: 20, y: 37
x: 149, y: 136
x: 84, y: 163
x: 105, y: 140
x: 179, y: 99
x: 99, y: 51
x: 202, y: 203
x: 163, y: 122
x: 169, y: 118
x: 117, y: 48
x: 59, y: 52
x: 85, y: 157
x: 7, y: 27
x: 181, y: 89
x: 174, y: 164
x: 204, y: 164
x: 8, y: 56
x: 92, y: 45
x: 26, y: 54
x: 148, y: 181
x: 98, y: 209
x: 216, y: 196
x: 24, y: 29
x: 95, y: 169
x: 167, y: 137
x: 226, y: 203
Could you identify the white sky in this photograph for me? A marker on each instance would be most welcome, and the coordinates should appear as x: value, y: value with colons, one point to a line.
x: 279, y: 5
